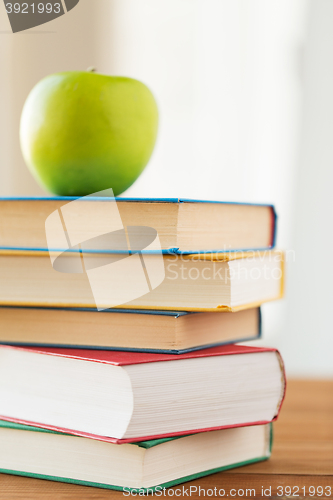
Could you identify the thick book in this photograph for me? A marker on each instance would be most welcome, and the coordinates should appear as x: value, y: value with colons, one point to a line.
x: 182, y: 225
x: 146, y: 466
x: 203, y: 282
x: 134, y: 330
x: 126, y: 396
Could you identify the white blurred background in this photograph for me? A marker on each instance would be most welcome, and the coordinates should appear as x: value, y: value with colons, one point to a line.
x: 245, y: 93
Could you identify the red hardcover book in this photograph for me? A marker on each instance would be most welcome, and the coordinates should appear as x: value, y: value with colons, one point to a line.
x: 126, y: 396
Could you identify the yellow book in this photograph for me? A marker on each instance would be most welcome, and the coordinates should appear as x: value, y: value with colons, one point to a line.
x: 199, y: 282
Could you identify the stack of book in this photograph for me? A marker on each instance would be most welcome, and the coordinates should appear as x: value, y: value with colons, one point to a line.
x: 157, y: 390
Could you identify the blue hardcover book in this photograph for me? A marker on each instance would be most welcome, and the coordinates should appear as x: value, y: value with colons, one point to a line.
x: 126, y: 330
x: 183, y: 226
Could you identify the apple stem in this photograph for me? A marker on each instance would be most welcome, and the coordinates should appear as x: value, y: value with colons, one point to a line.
x: 91, y: 69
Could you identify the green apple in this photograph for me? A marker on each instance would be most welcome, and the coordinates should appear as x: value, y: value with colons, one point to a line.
x: 83, y: 132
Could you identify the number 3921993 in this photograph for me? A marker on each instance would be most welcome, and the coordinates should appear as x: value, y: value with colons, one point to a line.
x: 33, y: 8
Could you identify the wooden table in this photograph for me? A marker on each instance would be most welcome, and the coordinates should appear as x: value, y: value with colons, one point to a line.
x: 302, y: 457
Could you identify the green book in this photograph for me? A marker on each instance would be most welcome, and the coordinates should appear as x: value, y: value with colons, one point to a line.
x: 145, y: 466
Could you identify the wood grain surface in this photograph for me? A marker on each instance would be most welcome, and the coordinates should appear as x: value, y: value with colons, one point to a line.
x: 302, y: 459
